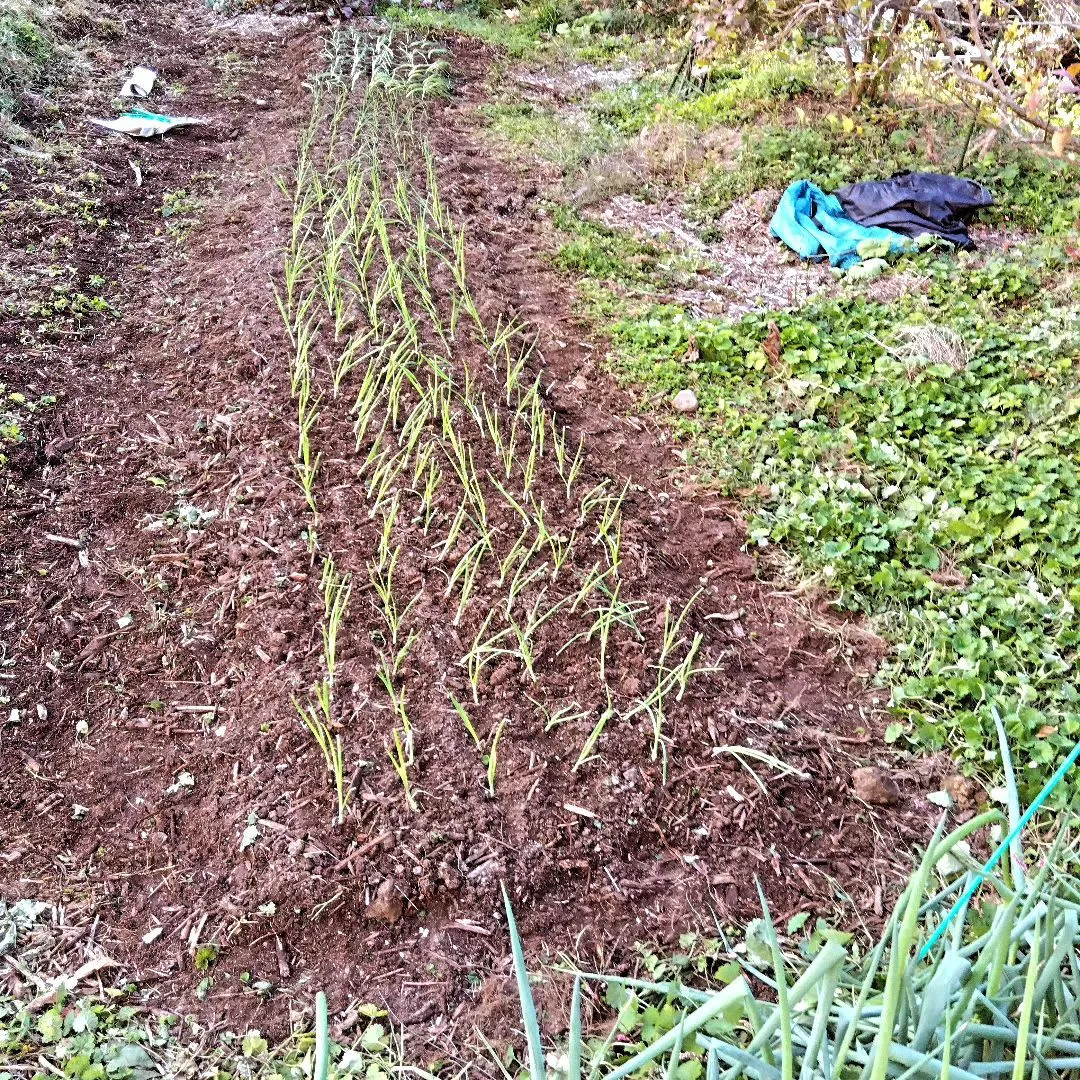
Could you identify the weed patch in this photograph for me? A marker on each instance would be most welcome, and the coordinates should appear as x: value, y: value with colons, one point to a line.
x: 113, y: 1033
x: 179, y: 209
x: 933, y: 490
x: 567, y: 141
x: 739, y: 92
x: 603, y: 253
x: 1030, y: 192
x: 827, y: 154
x: 518, y: 38
x: 32, y: 59
x: 612, y: 261
x: 16, y: 410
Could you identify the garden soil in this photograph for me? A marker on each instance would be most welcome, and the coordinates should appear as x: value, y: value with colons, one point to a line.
x: 159, y: 613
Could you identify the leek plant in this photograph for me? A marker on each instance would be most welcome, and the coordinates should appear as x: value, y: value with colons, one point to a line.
x: 994, y: 992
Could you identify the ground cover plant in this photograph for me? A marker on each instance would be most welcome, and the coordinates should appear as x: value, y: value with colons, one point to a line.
x: 918, y: 458
x: 53, y: 1022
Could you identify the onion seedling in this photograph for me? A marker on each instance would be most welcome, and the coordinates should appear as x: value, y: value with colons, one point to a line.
x: 317, y: 719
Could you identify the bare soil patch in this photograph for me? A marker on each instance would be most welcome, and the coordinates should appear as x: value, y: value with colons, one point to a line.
x: 180, y: 629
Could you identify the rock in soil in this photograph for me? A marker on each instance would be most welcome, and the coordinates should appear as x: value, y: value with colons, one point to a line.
x: 386, y: 905
x: 685, y: 401
x: 874, y: 785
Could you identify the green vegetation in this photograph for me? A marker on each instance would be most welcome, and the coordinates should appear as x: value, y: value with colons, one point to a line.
x: 15, y: 411
x: 610, y: 118
x: 922, y: 459
x: 630, y: 108
x: 546, y: 30
x: 829, y: 153
x: 31, y: 58
x: 117, y: 1035
x: 606, y: 254
x: 518, y: 37
x: 568, y: 142
x: 738, y: 92
x: 1031, y: 191
x: 179, y: 209
x: 57, y: 301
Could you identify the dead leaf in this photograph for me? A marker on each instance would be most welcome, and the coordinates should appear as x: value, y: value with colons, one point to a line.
x: 773, y: 346
x: 386, y: 905
x: 92, y: 967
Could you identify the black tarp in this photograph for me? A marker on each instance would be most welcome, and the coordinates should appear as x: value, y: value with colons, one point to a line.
x: 917, y: 203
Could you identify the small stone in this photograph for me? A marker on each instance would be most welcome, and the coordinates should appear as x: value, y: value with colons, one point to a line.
x: 685, y: 401
x: 386, y: 905
x: 875, y: 786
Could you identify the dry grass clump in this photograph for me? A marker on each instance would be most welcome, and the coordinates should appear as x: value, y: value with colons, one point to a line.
x: 671, y: 153
x: 927, y: 346
x: 675, y: 151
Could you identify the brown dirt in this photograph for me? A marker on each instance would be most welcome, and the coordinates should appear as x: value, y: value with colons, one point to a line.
x: 180, y: 632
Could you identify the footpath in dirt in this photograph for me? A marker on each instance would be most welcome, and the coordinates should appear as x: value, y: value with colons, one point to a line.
x: 164, y: 609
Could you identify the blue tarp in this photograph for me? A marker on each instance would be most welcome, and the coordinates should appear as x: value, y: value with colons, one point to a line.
x: 814, y: 225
